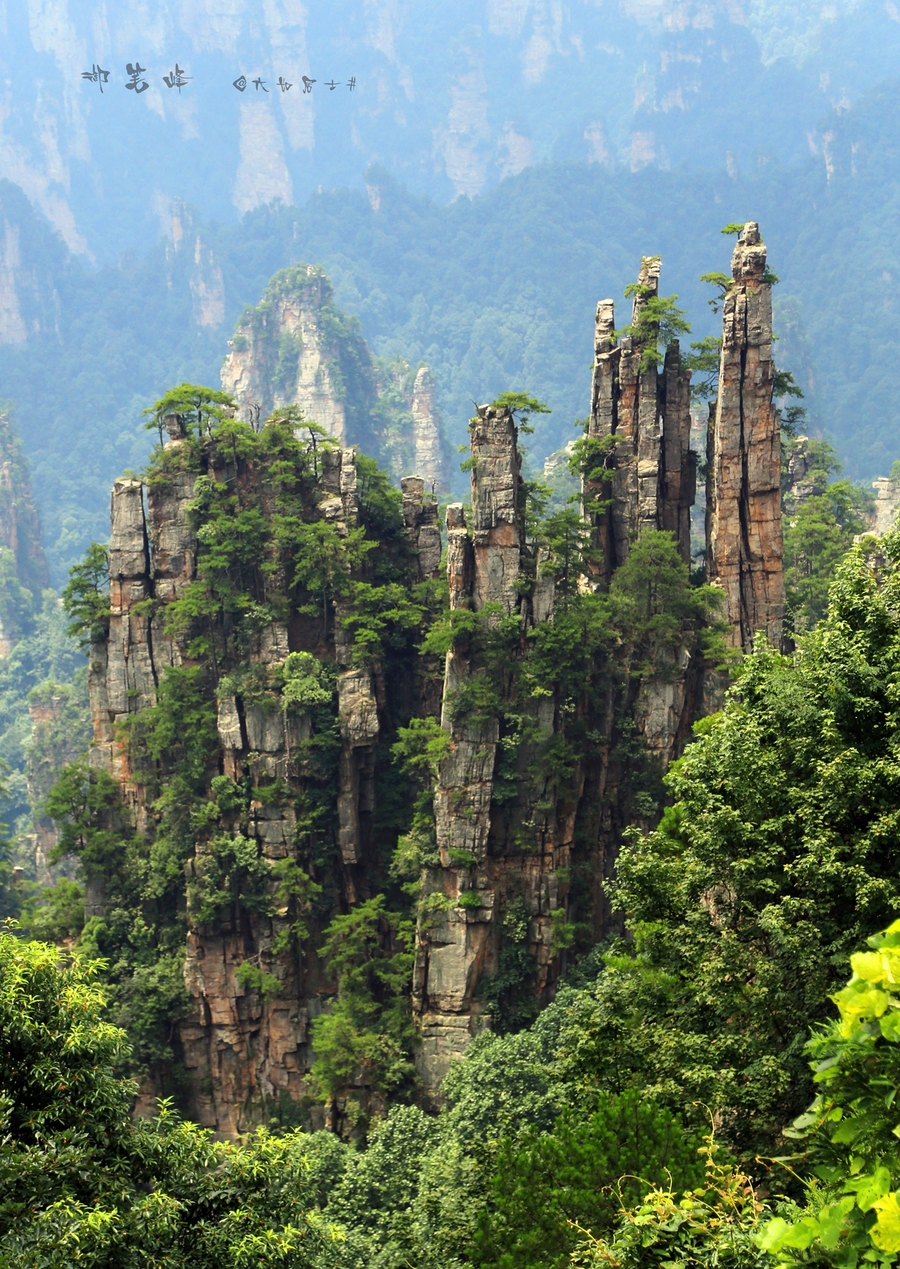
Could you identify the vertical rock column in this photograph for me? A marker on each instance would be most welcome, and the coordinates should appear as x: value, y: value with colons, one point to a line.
x: 427, y: 439
x: 679, y: 462
x: 647, y: 415
x: 743, y: 517
x: 455, y: 947
x: 420, y: 512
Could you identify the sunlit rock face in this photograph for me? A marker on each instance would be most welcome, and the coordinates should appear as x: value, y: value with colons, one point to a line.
x: 285, y: 353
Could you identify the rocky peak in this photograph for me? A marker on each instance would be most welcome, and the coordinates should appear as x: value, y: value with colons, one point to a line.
x: 429, y: 461
x: 295, y: 348
x: 644, y: 416
x: 743, y: 515
x: 883, y: 517
x: 188, y: 252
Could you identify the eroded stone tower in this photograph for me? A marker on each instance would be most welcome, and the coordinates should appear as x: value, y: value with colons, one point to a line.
x: 744, y: 552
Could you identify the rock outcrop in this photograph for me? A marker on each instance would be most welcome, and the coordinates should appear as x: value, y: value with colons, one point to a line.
x: 883, y: 517
x: 245, y: 1049
x: 295, y: 348
x: 643, y: 416
x: 743, y: 499
x: 429, y: 459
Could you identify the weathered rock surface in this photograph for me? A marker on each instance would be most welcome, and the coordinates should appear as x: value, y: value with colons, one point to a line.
x: 743, y: 501
x: 297, y: 349
x: 420, y: 512
x: 883, y: 517
x: 288, y: 352
x: 499, y: 862
x: 644, y: 417
x: 243, y: 1050
x: 509, y: 830
x: 429, y: 460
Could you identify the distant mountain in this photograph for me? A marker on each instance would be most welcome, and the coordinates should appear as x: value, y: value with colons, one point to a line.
x: 449, y: 98
x: 493, y: 293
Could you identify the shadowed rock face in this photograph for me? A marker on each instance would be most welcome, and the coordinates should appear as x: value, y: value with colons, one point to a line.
x: 743, y: 516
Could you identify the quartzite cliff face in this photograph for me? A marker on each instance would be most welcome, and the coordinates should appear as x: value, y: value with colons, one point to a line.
x: 511, y: 829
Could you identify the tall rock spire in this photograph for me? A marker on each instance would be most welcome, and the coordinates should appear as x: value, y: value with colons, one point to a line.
x: 429, y: 462
x: 743, y: 504
x: 647, y: 415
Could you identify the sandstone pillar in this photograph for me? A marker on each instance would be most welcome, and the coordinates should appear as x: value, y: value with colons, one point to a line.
x: 427, y: 439
x: 743, y: 516
x: 645, y: 417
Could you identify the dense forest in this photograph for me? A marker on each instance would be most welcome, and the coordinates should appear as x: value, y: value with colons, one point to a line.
x: 449, y: 717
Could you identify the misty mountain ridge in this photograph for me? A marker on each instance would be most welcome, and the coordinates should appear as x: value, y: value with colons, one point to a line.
x: 449, y: 99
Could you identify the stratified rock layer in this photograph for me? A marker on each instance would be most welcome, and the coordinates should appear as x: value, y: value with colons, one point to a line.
x: 534, y: 782
x: 743, y: 500
x: 244, y: 1050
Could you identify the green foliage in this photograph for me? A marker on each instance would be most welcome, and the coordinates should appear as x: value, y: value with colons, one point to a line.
x: 703, y: 362
x: 199, y: 408
x: 16, y: 602
x: 56, y: 913
x: 567, y: 538
x: 505, y: 1086
x: 658, y: 321
x: 546, y: 1184
x: 776, y: 859
x: 849, y: 1133
x: 44, y: 723
x: 252, y: 978
x: 364, y: 1039
x: 818, y: 532
x: 86, y: 596
x: 508, y: 995
x: 715, y: 1224
x: 523, y: 406
x: 379, y: 1186
x: 83, y: 1183
x: 734, y: 227
x: 304, y: 682
x: 82, y: 802
x: 655, y: 604
x: 419, y: 750
x: 179, y: 731
x: 723, y: 281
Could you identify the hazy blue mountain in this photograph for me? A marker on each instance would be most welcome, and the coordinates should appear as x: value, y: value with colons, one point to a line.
x: 493, y: 292
x: 449, y: 98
